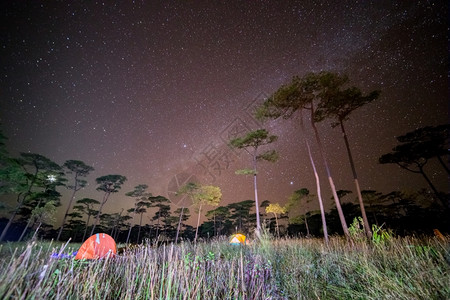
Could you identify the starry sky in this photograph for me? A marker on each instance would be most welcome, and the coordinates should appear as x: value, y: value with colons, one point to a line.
x: 153, y: 90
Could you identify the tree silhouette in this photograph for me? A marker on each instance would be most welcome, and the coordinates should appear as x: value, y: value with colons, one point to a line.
x: 200, y: 195
x: 164, y: 212
x: 107, y: 184
x: 301, y: 195
x: 371, y: 197
x: 297, y: 96
x: 86, y: 206
x: 75, y: 224
x: 78, y: 169
x: 35, y: 169
x: 141, y: 202
x: 13, y: 179
x: 276, y: 209
x: 338, y: 104
x: 116, y: 223
x: 312, y: 87
x: 163, y: 209
x: 141, y: 209
x: 416, y: 149
x: 220, y: 215
x: 206, y: 195
x: 122, y: 224
x: 325, y: 87
x: 189, y: 189
x: 32, y: 210
x: 264, y: 204
x: 107, y: 221
x: 183, y: 215
x: 434, y: 141
x: 240, y: 214
x: 44, y: 183
x: 251, y: 142
x: 41, y: 214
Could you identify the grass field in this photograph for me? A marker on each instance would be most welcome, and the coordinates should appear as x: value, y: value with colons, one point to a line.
x: 398, y: 268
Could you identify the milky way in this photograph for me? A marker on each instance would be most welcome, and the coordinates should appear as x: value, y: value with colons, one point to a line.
x: 153, y: 90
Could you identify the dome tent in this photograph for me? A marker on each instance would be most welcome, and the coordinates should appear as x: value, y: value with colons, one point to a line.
x: 238, y: 239
x: 98, y: 246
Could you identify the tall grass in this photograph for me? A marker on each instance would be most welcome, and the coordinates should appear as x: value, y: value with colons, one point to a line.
x: 403, y: 268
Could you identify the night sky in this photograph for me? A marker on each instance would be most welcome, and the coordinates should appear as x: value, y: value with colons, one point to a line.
x: 153, y: 90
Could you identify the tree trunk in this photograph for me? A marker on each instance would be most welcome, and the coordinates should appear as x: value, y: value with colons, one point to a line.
x: 5, y: 230
x: 97, y: 218
x: 375, y: 218
x: 179, y: 224
x: 113, y: 230
x: 215, y: 230
x: 258, y: 224
x: 129, y: 233
x: 443, y: 164
x: 129, y: 229
x: 11, y: 219
x: 307, y: 227
x: 28, y: 223
x: 358, y: 189
x: 139, y: 231
x: 157, y: 225
x: 87, y: 225
x: 316, y: 175
x: 276, y: 222
x: 75, y: 189
x: 36, y: 231
x: 198, y: 223
x: 428, y: 180
x: 116, y: 226
x: 319, y: 195
x: 330, y: 178
x: 25, y: 229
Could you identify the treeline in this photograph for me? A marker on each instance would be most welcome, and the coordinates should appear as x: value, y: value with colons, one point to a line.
x: 34, y: 181
x: 405, y: 213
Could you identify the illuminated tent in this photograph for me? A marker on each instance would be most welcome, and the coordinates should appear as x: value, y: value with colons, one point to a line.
x: 99, y: 245
x: 238, y: 239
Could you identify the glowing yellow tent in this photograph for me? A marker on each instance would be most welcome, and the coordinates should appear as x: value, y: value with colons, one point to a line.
x: 238, y: 239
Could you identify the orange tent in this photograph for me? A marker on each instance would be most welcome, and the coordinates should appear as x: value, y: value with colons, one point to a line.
x: 99, y: 245
x: 237, y: 239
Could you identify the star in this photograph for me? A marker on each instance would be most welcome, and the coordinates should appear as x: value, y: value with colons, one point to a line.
x: 150, y: 91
